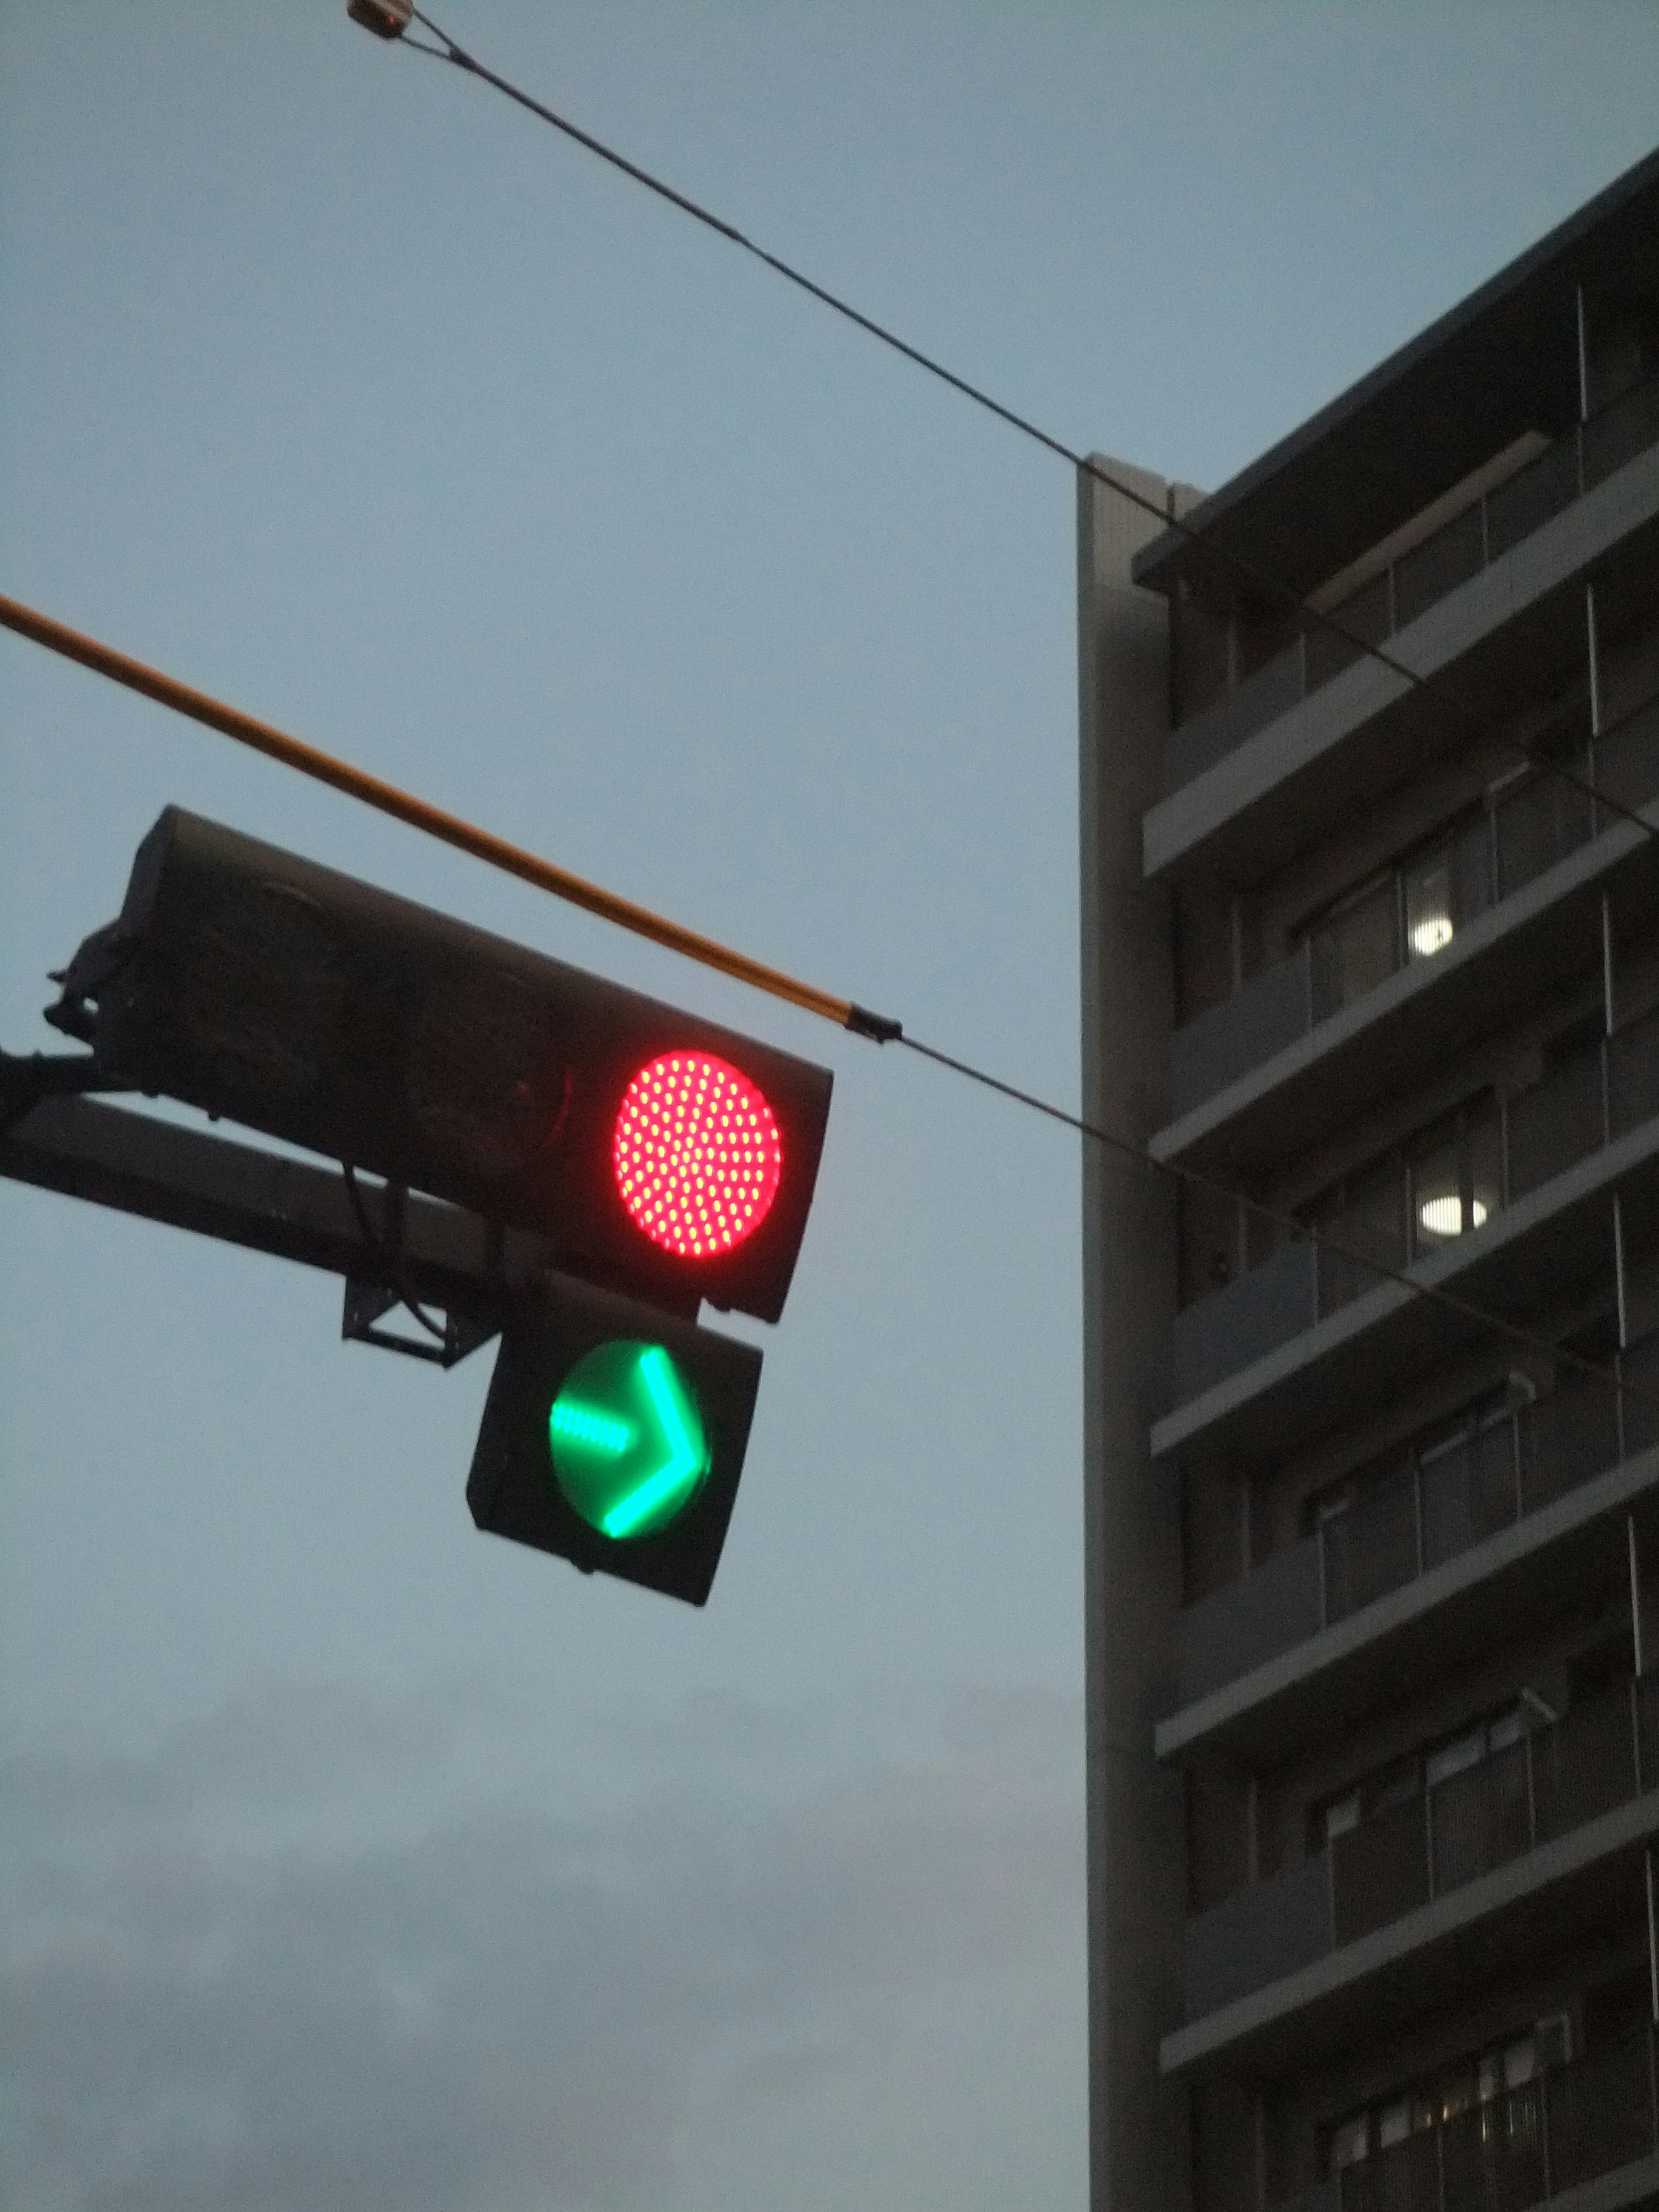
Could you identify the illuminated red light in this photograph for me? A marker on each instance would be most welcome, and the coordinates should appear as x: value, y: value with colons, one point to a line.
x: 697, y: 1154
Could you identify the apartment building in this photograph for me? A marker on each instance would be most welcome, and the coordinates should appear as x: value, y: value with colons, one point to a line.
x: 1373, y: 1579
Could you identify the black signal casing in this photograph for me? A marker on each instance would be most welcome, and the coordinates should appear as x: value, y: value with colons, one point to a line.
x: 279, y: 993
x: 511, y: 1491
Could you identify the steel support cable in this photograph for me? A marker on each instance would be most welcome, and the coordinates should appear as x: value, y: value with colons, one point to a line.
x: 1196, y: 1179
x: 1284, y: 595
x: 403, y: 806
x: 419, y: 814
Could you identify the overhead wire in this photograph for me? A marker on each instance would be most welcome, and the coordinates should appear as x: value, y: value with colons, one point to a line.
x: 1287, y: 596
x: 1196, y: 1178
x: 326, y: 768
x: 846, y: 1013
x: 1246, y: 570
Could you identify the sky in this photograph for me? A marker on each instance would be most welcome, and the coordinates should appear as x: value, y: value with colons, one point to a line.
x: 347, y: 1857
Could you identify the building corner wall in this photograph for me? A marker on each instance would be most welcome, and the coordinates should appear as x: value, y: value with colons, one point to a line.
x: 1140, y: 2158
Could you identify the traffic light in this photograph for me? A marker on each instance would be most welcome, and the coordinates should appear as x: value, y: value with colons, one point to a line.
x: 662, y: 1159
x: 614, y: 1434
x: 663, y: 1156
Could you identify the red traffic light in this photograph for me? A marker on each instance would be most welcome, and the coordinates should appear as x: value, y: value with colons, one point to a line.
x: 665, y: 1156
x: 698, y: 1156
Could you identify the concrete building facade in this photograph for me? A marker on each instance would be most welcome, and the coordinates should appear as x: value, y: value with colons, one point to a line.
x: 1373, y: 1585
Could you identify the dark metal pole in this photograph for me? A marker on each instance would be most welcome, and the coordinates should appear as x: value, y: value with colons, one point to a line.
x: 470, y: 1267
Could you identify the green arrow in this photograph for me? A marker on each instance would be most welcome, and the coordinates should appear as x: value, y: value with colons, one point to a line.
x: 629, y: 1448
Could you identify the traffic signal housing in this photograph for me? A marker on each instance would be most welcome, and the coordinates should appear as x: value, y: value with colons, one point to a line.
x: 613, y: 1436
x: 662, y: 1155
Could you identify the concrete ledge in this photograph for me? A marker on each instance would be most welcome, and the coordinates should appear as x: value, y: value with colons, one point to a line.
x: 1507, y: 1267
x: 1298, y: 759
x: 1322, y: 1685
x: 1636, y: 2183
x: 1400, y: 1968
x: 1493, y: 967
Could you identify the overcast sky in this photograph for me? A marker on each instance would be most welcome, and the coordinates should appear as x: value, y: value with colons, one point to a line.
x: 352, y: 1859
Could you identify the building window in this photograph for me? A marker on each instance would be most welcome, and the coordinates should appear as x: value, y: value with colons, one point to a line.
x: 1350, y: 2142
x: 1414, y: 1200
x: 1465, y: 1812
x: 1409, y: 912
x: 1415, y: 907
x: 1490, y: 2081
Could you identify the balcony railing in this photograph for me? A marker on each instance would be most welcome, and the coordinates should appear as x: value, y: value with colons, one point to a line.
x: 1521, y: 2148
x: 1555, y: 1778
x: 1522, y: 834
x: 1563, y: 473
x: 1425, y: 1512
x: 1586, y: 1102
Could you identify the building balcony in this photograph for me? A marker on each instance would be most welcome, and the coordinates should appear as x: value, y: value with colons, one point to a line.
x: 1418, y: 1573
x: 1419, y: 579
x: 1556, y: 1149
x: 1305, y: 1043
x: 1583, y: 2138
x: 1541, y: 1837
x: 1496, y: 597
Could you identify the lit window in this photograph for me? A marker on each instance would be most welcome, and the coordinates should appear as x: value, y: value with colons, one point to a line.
x: 1442, y: 1214
x: 1428, y: 905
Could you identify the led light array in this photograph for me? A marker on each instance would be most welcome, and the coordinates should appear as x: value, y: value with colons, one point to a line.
x: 698, y: 1156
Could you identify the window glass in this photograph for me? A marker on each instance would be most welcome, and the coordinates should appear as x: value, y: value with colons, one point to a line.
x: 1397, y: 1786
x: 1457, y: 2092
x: 1509, y: 1728
x: 1356, y: 950
x: 1456, y: 1179
x: 1457, y: 1756
x: 1368, y: 1219
x: 1554, y: 2038
x: 1473, y: 863
x: 1349, y: 2142
x: 1486, y: 1166
x: 1430, y: 923
x: 1520, y: 2063
x: 1490, y: 2084
x: 1437, y: 1212
x: 1342, y: 1816
x: 1393, y: 2124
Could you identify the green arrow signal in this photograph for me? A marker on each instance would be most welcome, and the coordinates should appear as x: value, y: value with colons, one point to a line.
x: 629, y: 1448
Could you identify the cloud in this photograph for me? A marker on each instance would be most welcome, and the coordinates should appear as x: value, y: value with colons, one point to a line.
x: 508, y: 2006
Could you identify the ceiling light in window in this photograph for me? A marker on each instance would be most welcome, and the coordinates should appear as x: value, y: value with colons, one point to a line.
x: 1432, y: 934
x: 1444, y: 1216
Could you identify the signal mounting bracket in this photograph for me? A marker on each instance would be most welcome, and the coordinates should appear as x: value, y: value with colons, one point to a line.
x: 27, y: 1077
x: 367, y: 1304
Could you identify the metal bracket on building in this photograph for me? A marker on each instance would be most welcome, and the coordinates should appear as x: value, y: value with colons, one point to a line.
x: 367, y: 1304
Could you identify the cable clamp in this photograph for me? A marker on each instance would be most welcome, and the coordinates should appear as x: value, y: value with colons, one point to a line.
x: 882, y: 1029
